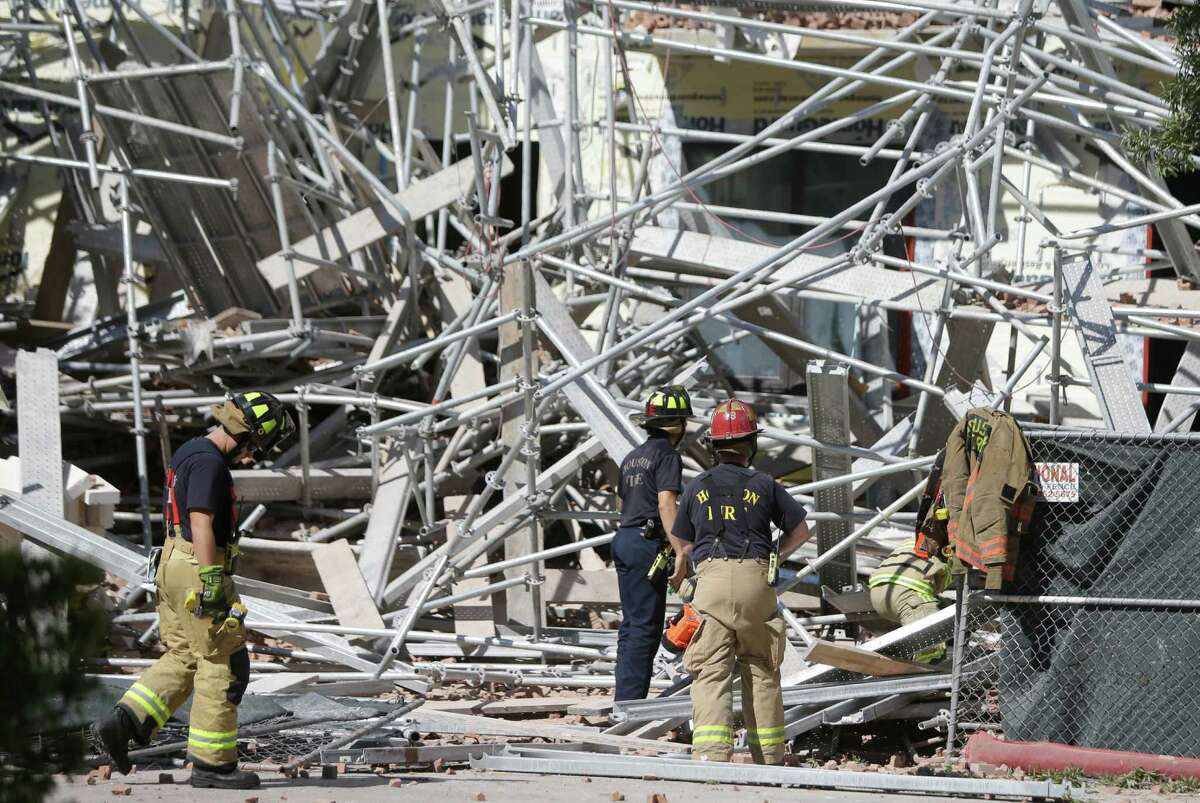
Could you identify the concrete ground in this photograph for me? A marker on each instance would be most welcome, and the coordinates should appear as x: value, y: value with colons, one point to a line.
x: 466, y: 785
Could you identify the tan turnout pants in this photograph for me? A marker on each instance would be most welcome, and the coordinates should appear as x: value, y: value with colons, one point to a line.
x: 202, y: 654
x: 739, y: 621
x: 902, y: 605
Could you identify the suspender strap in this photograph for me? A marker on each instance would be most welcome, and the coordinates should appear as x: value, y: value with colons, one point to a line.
x: 720, y: 497
x: 174, y: 502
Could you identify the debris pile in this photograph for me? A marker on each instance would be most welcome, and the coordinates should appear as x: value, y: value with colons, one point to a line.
x: 463, y: 241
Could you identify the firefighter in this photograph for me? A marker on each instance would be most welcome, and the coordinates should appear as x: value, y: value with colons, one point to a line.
x: 200, y: 616
x: 650, y: 481
x: 905, y: 586
x: 724, y: 524
x: 907, y: 583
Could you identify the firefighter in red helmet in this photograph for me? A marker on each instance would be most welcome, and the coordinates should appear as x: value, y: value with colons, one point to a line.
x: 724, y: 523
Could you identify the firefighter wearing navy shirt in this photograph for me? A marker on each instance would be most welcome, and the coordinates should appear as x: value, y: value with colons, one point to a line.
x: 650, y: 481
x: 200, y: 616
x: 724, y: 522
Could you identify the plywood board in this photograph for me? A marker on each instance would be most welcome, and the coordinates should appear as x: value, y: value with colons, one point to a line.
x: 345, y: 585
x: 855, y: 659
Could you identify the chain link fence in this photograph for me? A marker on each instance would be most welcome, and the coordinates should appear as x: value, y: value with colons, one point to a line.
x: 1096, y: 642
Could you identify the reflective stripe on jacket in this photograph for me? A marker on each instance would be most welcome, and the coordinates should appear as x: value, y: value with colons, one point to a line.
x: 989, y: 490
x: 904, y: 567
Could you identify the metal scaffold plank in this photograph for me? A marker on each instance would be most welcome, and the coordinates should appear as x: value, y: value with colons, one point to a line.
x: 829, y: 419
x: 720, y: 772
x: 61, y: 537
x: 1112, y: 382
x: 39, y: 432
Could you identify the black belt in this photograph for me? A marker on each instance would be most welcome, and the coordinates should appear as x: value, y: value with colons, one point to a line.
x: 652, y: 530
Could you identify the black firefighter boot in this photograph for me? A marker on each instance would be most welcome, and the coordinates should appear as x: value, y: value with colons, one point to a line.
x: 114, y: 732
x: 225, y: 776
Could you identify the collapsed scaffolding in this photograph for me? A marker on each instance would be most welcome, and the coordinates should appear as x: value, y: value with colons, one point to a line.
x: 463, y: 380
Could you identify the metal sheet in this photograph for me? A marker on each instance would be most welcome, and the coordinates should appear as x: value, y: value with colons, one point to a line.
x: 1112, y: 382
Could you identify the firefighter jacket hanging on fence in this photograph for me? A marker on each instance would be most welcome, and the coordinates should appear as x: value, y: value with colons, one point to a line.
x: 919, y: 564
x: 990, y: 493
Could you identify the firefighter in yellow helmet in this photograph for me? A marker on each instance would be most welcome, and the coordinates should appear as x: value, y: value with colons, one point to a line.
x: 200, y: 616
x: 724, y: 523
x: 650, y: 481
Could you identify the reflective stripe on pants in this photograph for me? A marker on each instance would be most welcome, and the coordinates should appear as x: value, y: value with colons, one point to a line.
x: 202, y: 656
x: 739, y: 623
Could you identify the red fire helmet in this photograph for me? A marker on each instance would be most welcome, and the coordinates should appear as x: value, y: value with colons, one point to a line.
x: 731, y: 420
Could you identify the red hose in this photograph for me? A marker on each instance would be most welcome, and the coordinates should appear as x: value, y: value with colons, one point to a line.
x: 983, y: 748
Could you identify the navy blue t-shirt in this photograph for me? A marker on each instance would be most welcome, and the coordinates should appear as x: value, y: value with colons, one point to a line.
x: 652, y: 467
x: 202, y: 482
x: 709, y: 501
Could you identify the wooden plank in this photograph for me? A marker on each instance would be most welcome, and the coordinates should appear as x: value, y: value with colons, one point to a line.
x: 280, y: 682
x: 516, y: 604
x: 371, y: 225
x: 429, y: 721
x: 283, y: 484
x: 59, y: 267
x: 472, y: 617
x: 345, y: 585
x: 855, y: 659
x: 388, y: 508
x: 849, y: 601
x: 592, y: 707
x: 511, y: 707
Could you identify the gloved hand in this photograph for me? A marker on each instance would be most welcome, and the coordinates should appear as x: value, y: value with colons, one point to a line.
x: 212, y: 595
x: 995, y: 578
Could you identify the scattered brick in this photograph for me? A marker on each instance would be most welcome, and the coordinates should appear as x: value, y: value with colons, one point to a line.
x: 616, y: 796
x: 396, y: 783
x: 656, y: 797
x: 104, y: 772
x: 122, y: 791
x: 250, y: 800
x: 439, y: 765
x: 479, y: 796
